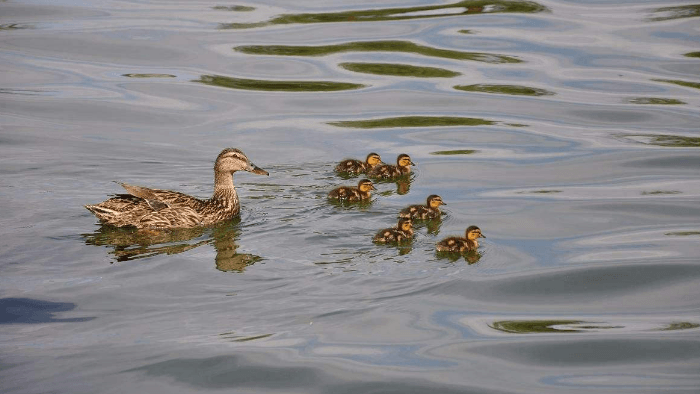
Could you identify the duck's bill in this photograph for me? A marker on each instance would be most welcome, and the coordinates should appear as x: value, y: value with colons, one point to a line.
x: 256, y: 170
x: 482, y: 236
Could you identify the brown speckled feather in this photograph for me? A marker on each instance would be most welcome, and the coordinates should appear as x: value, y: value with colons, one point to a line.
x: 352, y: 166
x: 456, y: 244
x: 392, y: 235
x: 420, y: 212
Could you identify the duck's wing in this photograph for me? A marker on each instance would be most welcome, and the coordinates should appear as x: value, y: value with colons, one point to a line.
x: 151, y: 196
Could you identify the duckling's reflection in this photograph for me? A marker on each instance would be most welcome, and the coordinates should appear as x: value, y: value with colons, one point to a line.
x: 471, y: 257
x: 132, y: 243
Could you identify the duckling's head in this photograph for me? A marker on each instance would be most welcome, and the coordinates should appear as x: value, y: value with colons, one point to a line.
x: 405, y: 224
x: 474, y: 232
x: 365, y: 185
x: 404, y: 160
x: 373, y: 159
x: 231, y: 160
x: 434, y: 201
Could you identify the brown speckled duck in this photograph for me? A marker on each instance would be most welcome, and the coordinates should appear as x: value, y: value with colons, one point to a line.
x: 160, y: 209
x: 388, y: 171
x: 402, y: 232
x: 431, y: 209
x: 362, y: 192
x: 352, y: 166
x: 460, y: 245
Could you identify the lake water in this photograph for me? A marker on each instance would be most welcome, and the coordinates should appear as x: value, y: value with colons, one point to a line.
x: 567, y: 130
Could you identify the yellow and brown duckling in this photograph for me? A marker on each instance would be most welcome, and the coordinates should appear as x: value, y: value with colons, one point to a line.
x: 161, y: 209
x: 429, y: 211
x: 461, y: 245
x: 362, y: 192
x: 402, y: 232
x: 353, y: 166
x: 389, y: 171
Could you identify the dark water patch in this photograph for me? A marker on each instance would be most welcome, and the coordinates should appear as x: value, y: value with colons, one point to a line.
x: 534, y: 326
x: 14, y: 26
x: 692, y: 54
x: 373, y: 46
x: 657, y: 192
x: 149, y: 76
x: 687, y: 84
x: 237, y: 8
x: 655, y: 100
x: 670, y: 210
x: 505, y: 89
x: 592, y: 352
x: 466, y: 31
x: 232, y: 337
x: 683, y: 233
x: 676, y: 141
x: 27, y: 92
x: 401, y: 70
x: 454, y: 152
x: 413, y: 121
x: 544, y: 191
x: 280, y: 86
x: 677, y: 12
x: 680, y: 326
x: 31, y: 311
x: 469, y: 7
x: 674, y: 162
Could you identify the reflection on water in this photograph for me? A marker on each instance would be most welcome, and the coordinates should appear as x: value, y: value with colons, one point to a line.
x: 577, y: 326
x: 692, y: 54
x: 655, y: 100
x: 468, y: 7
x: 678, y: 141
x: 413, y: 121
x: 505, y: 89
x: 287, y: 86
x: 373, y: 46
x: 471, y: 257
x: 238, y: 8
x: 683, y: 233
x: 149, y: 75
x: 131, y: 243
x: 687, y: 84
x: 13, y: 26
x: 454, y: 152
x: 677, y: 12
x: 402, y: 70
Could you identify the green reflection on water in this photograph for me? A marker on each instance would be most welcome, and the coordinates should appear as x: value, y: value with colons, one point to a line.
x: 505, y: 89
x: 392, y: 14
x: 149, y: 75
x: 680, y: 326
x: 654, y: 192
x: 668, y: 140
x: 13, y: 26
x: 402, y: 70
x: 655, y: 100
x: 413, y: 121
x: 541, y: 192
x: 287, y: 86
x: 373, y: 46
x: 692, y: 54
x: 466, y: 31
x: 687, y: 84
x: 534, y: 326
x: 678, y: 12
x: 455, y: 152
x: 239, y: 8
x: 683, y: 233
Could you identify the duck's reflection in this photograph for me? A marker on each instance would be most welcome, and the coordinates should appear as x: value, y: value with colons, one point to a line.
x: 132, y: 243
x: 471, y: 257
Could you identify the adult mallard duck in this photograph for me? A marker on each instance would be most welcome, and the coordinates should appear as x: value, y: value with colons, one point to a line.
x: 388, y: 171
x: 363, y: 191
x: 458, y: 244
x: 160, y: 209
x: 402, y: 232
x: 431, y: 209
x: 353, y: 166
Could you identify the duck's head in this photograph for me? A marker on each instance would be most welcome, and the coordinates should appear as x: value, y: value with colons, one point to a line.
x: 434, y: 201
x: 474, y: 232
x: 405, y: 224
x: 373, y: 159
x: 365, y: 185
x: 231, y: 160
x: 404, y: 160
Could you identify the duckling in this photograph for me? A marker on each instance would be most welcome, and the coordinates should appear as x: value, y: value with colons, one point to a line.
x: 363, y: 191
x: 431, y: 209
x: 352, y: 166
x: 388, y: 171
x: 458, y: 244
x: 161, y: 209
x: 402, y: 232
